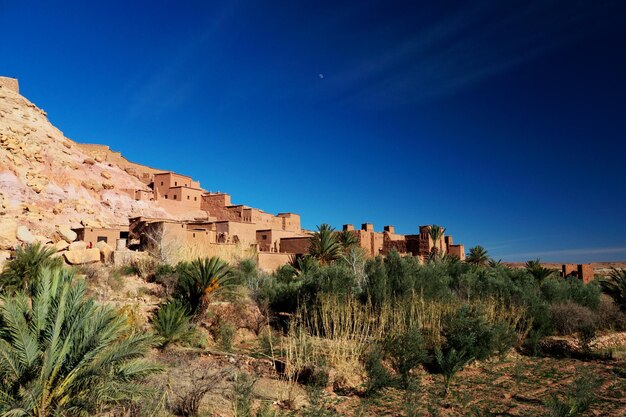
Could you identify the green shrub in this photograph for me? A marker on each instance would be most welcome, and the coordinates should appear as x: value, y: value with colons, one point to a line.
x: 172, y: 322
x: 242, y: 395
x: 576, y: 399
x: 405, y: 352
x: 468, y: 332
x: 226, y: 336
x: 378, y: 376
x: 22, y: 273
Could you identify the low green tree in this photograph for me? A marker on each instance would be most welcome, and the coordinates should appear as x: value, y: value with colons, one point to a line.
x: 201, y: 280
x: 171, y: 322
x: 615, y: 286
x: 324, y: 245
x: 61, y: 354
x: 477, y: 256
x: 538, y: 271
x: 21, y: 273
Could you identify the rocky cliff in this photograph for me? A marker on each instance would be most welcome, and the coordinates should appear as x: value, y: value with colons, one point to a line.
x: 48, y: 180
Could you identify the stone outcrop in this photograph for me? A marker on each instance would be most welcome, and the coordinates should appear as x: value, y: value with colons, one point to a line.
x: 24, y: 235
x: 82, y: 256
x: 106, y: 252
x: 66, y: 233
x: 8, y: 233
x: 75, y: 246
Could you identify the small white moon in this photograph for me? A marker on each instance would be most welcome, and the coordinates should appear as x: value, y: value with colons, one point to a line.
x: 321, y: 76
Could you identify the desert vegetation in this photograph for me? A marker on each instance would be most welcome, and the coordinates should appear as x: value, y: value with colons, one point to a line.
x: 332, y: 333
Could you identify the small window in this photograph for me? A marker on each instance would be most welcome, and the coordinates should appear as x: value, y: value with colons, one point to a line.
x: 102, y: 239
x: 188, y: 197
x: 166, y: 196
x: 175, y: 183
x: 174, y: 196
x: 195, y: 199
x: 194, y: 235
x: 161, y: 182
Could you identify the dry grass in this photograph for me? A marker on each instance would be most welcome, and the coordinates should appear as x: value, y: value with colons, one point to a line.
x: 338, y: 331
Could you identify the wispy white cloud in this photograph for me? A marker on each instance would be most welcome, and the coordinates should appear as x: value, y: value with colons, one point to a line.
x: 569, y: 252
x: 169, y: 86
x: 461, y: 49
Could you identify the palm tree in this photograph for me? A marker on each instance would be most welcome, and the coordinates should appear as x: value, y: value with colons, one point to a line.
x: 61, y: 354
x: 347, y: 239
x: 538, y: 271
x: 436, y: 233
x: 201, y: 280
x: 171, y: 322
x: 21, y: 273
x: 477, y: 256
x: 615, y: 286
x: 324, y: 245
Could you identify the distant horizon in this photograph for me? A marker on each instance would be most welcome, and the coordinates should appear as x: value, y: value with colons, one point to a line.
x: 503, y: 123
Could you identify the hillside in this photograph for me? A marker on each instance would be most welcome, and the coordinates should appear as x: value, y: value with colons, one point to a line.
x: 46, y: 179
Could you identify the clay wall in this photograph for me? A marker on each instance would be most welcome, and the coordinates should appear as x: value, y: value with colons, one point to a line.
x: 144, y: 173
x: 458, y: 251
x: 291, y: 222
x: 93, y: 235
x: 269, y: 239
x: 235, y: 232
x: 269, y: 262
x: 585, y: 273
x: 10, y: 83
x: 189, y: 197
x: 568, y: 269
x: 295, y: 245
x: 215, y: 205
x: 217, y: 199
x: 142, y: 195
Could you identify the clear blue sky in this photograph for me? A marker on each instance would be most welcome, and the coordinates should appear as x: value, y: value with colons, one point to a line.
x: 503, y: 121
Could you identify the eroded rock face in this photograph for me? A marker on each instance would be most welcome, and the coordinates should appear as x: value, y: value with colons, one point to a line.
x: 82, y: 256
x: 48, y: 180
x: 8, y: 233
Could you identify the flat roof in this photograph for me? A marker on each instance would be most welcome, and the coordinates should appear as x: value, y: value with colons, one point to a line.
x: 191, y: 188
x: 172, y: 173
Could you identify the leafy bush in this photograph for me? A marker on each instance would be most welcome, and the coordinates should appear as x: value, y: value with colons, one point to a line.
x: 468, y: 332
x: 570, y: 317
x: 64, y: 355
x: 226, y: 336
x: 559, y: 290
x: 378, y: 376
x: 405, y: 351
x: 21, y: 273
x: 242, y: 395
x: 576, y: 399
x: 171, y: 322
